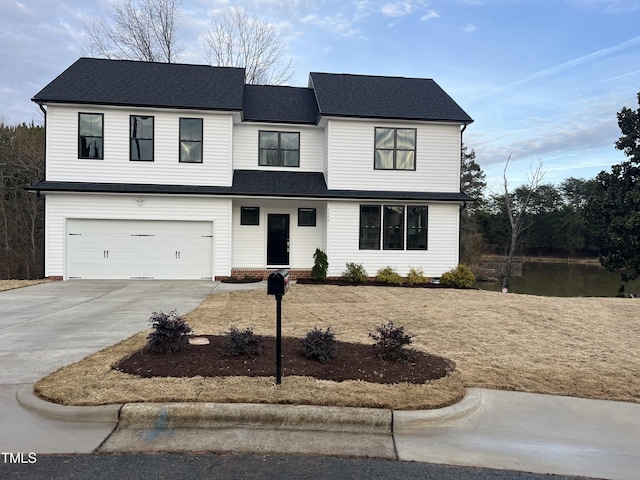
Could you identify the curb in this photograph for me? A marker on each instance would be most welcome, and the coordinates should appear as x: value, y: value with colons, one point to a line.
x: 249, y: 415
x: 66, y: 413
x: 245, y: 415
x: 405, y: 421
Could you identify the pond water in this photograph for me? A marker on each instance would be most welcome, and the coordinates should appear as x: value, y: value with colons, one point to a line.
x: 557, y: 279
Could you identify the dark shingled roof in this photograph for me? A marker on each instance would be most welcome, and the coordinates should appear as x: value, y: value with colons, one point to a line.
x: 265, y: 103
x: 384, y: 97
x: 125, y: 82
x: 258, y: 183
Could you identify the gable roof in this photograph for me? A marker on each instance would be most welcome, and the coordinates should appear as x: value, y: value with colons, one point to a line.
x: 268, y: 103
x: 203, y: 87
x: 127, y: 82
x: 370, y: 96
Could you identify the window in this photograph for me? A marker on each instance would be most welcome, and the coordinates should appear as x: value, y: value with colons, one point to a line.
x: 416, y: 227
x: 393, y: 225
x: 306, y: 217
x: 395, y: 149
x: 191, y: 140
x: 141, y: 138
x: 392, y: 233
x: 369, y: 227
x: 280, y: 149
x: 90, y: 135
x: 249, y: 215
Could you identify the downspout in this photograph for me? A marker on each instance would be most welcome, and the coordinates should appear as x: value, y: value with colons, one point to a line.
x: 44, y: 112
x: 464, y: 205
x: 44, y: 199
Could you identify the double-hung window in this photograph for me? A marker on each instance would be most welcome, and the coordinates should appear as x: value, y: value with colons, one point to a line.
x: 141, y: 147
x: 191, y: 140
x: 280, y: 149
x: 90, y: 135
x: 393, y: 228
x: 395, y: 149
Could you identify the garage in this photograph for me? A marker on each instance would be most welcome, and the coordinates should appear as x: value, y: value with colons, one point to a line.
x: 144, y: 249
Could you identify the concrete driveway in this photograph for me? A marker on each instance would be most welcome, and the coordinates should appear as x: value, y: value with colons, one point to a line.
x: 47, y: 326
x: 50, y: 325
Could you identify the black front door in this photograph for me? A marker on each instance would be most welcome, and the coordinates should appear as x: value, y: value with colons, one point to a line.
x: 278, y: 239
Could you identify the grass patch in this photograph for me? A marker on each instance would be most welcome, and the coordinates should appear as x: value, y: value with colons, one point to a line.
x: 582, y: 347
x: 11, y: 284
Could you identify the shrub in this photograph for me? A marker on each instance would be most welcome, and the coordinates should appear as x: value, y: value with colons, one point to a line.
x: 168, y: 329
x: 416, y: 276
x: 319, y: 345
x: 389, y: 275
x: 243, y: 343
x: 320, y: 266
x: 390, y: 342
x: 460, y: 277
x: 355, y: 273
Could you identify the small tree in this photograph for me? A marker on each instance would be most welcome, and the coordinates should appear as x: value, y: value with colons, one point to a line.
x: 516, y: 208
x: 320, y: 266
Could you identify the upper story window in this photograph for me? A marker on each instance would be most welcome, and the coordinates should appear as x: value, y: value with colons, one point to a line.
x: 395, y: 149
x: 280, y: 149
x: 90, y: 135
x: 191, y: 140
x: 141, y: 138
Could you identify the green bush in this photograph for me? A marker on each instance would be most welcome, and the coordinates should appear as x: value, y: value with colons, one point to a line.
x: 416, y: 276
x: 168, y: 329
x: 320, y: 266
x: 460, y: 277
x: 243, y: 343
x: 319, y: 345
x: 355, y: 273
x: 389, y: 275
x: 390, y: 342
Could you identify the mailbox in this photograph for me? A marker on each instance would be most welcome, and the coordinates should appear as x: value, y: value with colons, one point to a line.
x: 278, y: 282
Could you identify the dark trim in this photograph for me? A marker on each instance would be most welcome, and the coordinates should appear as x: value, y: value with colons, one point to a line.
x: 280, y: 149
x: 315, y: 217
x: 138, y: 105
x: 395, y: 149
x: 180, y: 139
x: 153, y: 138
x: 80, y: 157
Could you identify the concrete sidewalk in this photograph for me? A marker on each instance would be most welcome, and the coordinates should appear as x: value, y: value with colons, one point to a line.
x: 493, y: 429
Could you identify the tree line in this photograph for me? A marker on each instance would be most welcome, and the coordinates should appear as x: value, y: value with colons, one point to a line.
x: 598, y: 217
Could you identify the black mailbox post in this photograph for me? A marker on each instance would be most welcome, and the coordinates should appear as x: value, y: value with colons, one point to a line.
x: 278, y: 284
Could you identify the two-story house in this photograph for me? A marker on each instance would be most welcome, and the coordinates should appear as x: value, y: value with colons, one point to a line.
x: 174, y: 171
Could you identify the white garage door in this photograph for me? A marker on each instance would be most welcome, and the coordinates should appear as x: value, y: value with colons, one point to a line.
x: 139, y: 249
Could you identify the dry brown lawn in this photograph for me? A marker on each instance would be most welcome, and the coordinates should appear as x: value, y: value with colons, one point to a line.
x: 11, y: 284
x: 583, y: 347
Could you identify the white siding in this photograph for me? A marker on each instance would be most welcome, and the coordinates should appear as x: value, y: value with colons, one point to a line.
x: 343, y: 221
x: 63, y: 163
x: 60, y: 207
x: 351, y: 154
x: 245, y: 146
x: 250, y: 241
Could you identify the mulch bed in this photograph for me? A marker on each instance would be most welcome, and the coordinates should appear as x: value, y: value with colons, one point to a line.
x: 370, y: 282
x: 353, y: 362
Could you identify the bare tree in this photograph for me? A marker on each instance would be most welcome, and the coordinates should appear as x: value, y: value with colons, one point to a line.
x: 236, y: 39
x: 516, y: 208
x: 136, y: 30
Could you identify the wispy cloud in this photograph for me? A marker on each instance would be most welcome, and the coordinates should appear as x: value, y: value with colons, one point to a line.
x: 470, y: 28
x: 567, y: 65
x: 611, y: 7
x: 431, y: 14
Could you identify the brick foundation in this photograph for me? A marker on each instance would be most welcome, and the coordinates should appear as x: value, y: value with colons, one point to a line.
x: 55, y: 277
x: 264, y: 273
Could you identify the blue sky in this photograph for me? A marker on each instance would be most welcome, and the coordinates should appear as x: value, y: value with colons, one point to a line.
x: 543, y: 80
